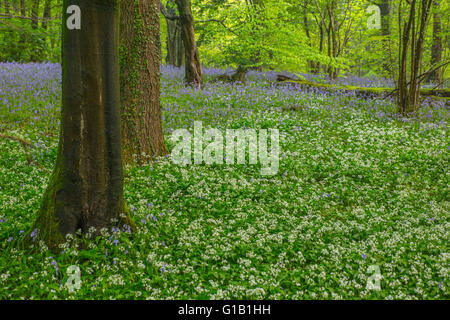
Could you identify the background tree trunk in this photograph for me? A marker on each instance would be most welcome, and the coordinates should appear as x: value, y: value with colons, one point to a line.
x: 436, y: 48
x: 22, y: 8
x: 86, y: 187
x: 175, y: 47
x: 409, y: 92
x: 35, y: 14
x: 385, y: 12
x: 7, y: 8
x: 47, y: 14
x: 193, y: 67
x: 140, y: 49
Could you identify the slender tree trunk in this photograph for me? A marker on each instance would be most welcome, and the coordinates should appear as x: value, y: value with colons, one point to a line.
x: 193, y: 67
x: 7, y: 8
x: 436, y: 48
x: 321, y: 42
x: 179, y: 47
x: 86, y: 187
x: 404, y: 44
x: 332, y: 42
x: 140, y: 47
x: 311, y: 64
x: 35, y: 14
x: 409, y: 93
x: 416, y: 64
x: 175, y: 47
x: 47, y: 14
x: 385, y: 12
x: 22, y: 13
x: 15, y: 6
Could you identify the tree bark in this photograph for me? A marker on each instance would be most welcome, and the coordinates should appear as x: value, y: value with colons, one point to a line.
x: 409, y: 93
x: 47, y: 14
x: 22, y: 8
x: 174, y: 41
x: 416, y: 63
x: 175, y: 47
x: 385, y: 12
x: 140, y: 47
x: 436, y: 48
x: 86, y: 186
x: 193, y: 67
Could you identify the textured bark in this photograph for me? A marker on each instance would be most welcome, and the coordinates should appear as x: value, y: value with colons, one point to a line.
x: 86, y: 186
x: 193, y: 67
x: 175, y: 46
x: 140, y: 47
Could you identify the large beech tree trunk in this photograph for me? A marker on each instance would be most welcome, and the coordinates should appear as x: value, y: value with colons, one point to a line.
x: 193, y: 67
x: 86, y: 186
x: 140, y: 48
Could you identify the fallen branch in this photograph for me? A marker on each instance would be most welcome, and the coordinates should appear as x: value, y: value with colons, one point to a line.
x: 365, y: 92
x: 22, y: 141
x: 26, y: 146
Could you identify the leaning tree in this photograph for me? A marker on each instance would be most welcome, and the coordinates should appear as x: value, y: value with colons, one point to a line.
x: 140, y: 49
x: 412, y: 39
x: 193, y: 67
x: 86, y: 187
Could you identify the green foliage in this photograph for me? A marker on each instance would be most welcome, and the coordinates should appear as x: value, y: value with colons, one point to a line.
x: 354, y: 189
x: 21, y: 42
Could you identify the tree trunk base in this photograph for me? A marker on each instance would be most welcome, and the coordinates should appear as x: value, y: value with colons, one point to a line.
x: 47, y: 226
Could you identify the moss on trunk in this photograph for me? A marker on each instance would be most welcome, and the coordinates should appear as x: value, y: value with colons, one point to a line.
x: 86, y: 187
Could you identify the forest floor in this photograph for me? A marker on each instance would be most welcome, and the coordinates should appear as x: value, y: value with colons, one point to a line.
x: 358, y: 190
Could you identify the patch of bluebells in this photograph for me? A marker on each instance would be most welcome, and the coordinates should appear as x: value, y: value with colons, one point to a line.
x: 358, y: 185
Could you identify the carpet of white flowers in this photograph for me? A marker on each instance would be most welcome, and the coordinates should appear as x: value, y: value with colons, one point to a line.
x: 358, y: 189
